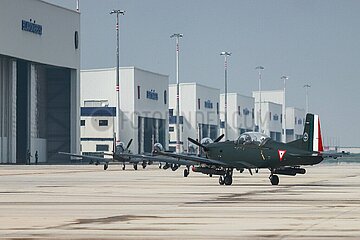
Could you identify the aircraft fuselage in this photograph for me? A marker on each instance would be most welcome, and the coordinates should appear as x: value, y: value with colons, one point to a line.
x: 270, y: 155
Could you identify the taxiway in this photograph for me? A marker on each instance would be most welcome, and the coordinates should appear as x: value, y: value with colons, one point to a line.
x: 85, y: 202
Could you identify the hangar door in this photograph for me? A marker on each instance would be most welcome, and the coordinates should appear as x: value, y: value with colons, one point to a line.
x: 150, y: 131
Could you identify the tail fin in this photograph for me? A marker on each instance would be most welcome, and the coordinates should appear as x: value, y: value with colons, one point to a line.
x: 311, y: 140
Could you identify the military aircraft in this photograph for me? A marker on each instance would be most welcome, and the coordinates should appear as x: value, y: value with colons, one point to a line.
x: 116, y: 156
x: 253, y: 150
x: 123, y: 156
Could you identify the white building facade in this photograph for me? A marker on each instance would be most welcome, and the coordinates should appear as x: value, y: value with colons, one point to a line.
x: 295, y: 121
x: 271, y: 102
x: 143, y: 108
x: 240, y: 114
x: 97, y: 127
x: 271, y: 123
x: 199, y: 113
x: 39, y: 81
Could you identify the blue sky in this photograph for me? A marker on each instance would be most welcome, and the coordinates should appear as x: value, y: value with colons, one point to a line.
x: 311, y: 41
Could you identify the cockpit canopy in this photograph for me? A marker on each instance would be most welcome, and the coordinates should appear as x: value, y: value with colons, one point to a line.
x: 252, y: 137
x: 206, y: 141
x: 119, y: 148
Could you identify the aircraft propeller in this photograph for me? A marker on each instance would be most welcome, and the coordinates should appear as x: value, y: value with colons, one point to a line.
x: 128, y: 145
x: 219, y: 138
x: 198, y: 144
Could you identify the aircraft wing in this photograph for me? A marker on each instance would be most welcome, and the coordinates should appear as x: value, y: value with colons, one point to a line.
x: 101, y: 159
x: 94, y: 158
x: 333, y: 155
x: 160, y: 159
x: 321, y: 154
x: 196, y: 159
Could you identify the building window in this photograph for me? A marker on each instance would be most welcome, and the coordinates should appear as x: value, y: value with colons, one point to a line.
x: 102, y: 148
x: 82, y: 122
x: 138, y: 91
x: 295, y: 120
x: 171, y: 129
x: 208, y: 104
x: 252, y: 113
x: 270, y: 115
x: 217, y: 108
x: 152, y: 94
x: 281, y: 118
x: 165, y: 97
x: 199, y: 103
x: 276, y: 117
x: 171, y: 112
x: 239, y: 110
x: 76, y: 39
x: 103, y: 122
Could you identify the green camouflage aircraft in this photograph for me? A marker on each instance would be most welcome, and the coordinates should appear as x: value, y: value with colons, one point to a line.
x: 252, y: 150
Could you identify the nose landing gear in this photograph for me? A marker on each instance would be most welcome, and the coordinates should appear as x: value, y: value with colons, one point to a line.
x: 106, y: 165
x: 227, y: 178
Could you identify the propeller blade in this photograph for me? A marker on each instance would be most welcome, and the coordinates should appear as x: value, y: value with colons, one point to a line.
x: 198, y: 144
x: 219, y: 138
x: 127, y: 147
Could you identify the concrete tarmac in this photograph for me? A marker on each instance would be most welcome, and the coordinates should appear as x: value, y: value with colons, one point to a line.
x: 85, y: 202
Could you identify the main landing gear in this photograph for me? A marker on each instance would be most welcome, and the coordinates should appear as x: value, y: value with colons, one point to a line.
x: 143, y: 164
x: 227, y: 178
x: 186, y: 171
x: 274, y: 179
x: 106, y: 165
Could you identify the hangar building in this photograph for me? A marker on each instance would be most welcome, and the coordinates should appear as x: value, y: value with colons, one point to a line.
x: 271, y: 116
x: 199, y: 113
x: 143, y: 104
x: 240, y: 114
x: 39, y: 81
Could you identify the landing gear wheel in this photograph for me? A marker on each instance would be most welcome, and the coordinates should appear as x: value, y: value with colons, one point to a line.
x: 228, y: 179
x: 274, y: 179
x: 174, y: 167
x: 143, y: 165
x: 160, y: 165
x: 123, y: 167
x: 135, y: 166
x: 106, y: 165
x: 186, y: 172
x: 221, y: 180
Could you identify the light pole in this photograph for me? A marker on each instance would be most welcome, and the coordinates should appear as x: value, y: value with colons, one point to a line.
x: 117, y: 88
x: 225, y: 54
x: 177, y: 36
x: 259, y: 68
x: 307, y: 86
x: 284, y: 108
